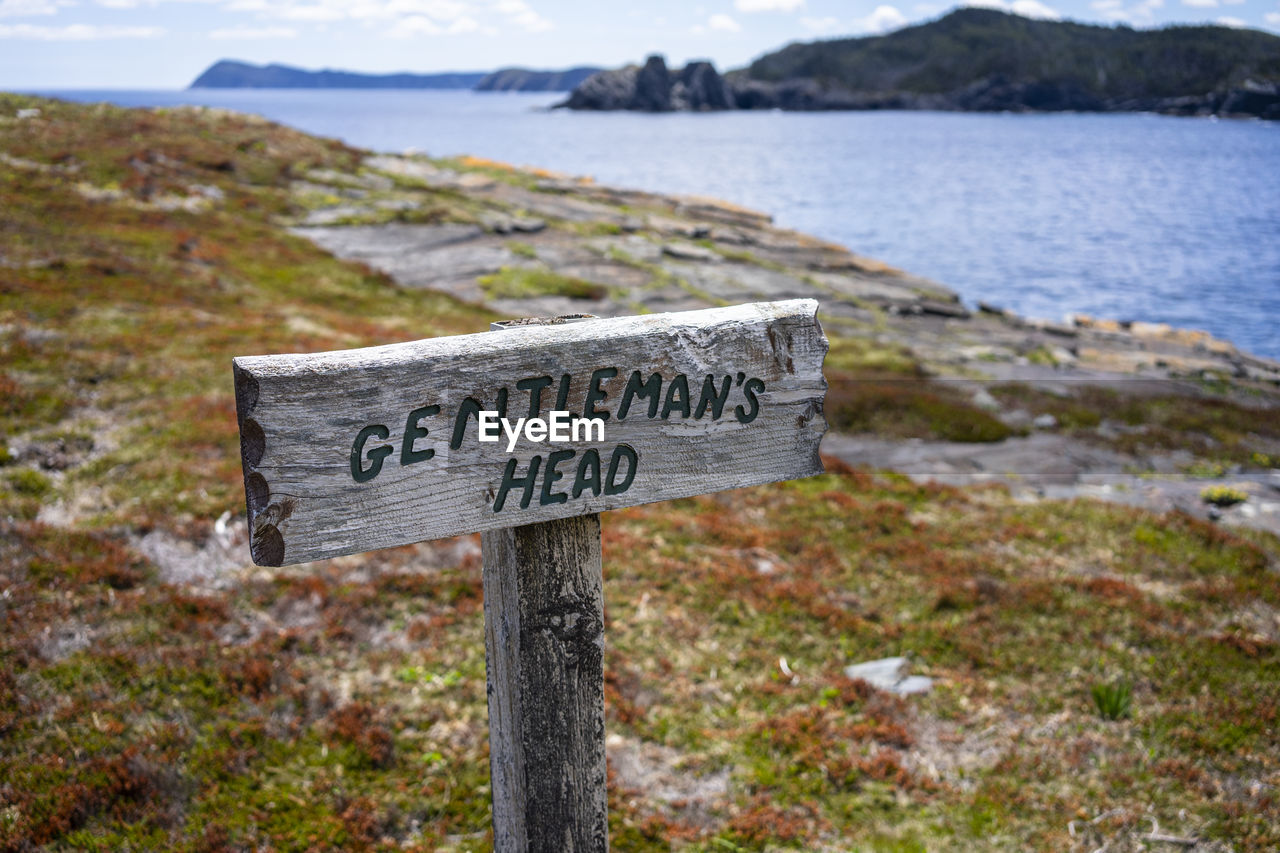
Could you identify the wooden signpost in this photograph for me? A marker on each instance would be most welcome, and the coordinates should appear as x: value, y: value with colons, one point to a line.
x: 350, y: 451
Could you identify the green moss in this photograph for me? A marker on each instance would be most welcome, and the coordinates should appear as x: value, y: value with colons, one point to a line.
x: 1041, y: 355
x: 523, y: 250
x: 908, y: 409
x: 863, y: 357
x: 28, y: 482
x: 528, y: 282
x: 743, y: 256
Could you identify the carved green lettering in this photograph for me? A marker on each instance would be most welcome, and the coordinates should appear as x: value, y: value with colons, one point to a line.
x: 611, y: 484
x: 414, y: 431
x: 596, y: 394
x: 470, y: 408
x: 681, y: 385
x: 751, y: 389
x: 650, y: 389
x: 376, y: 454
x: 711, y: 398
x: 510, y: 480
x: 562, y: 395
x: 550, y: 475
x: 534, y: 385
x: 588, y: 473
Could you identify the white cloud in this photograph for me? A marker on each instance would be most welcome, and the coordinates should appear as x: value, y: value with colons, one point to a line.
x: 1228, y: 21
x: 254, y: 33
x: 1201, y: 4
x: 1140, y: 13
x: 750, y: 6
x: 313, y: 13
x: 882, y: 19
x: 820, y: 25
x: 522, y: 15
x: 25, y: 8
x: 77, y: 32
x: 723, y: 23
x: 1025, y: 8
x: 1035, y: 9
x: 404, y: 18
x: 414, y: 25
x: 1272, y: 18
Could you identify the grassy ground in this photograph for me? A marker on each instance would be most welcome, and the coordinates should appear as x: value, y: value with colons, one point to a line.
x: 341, y: 705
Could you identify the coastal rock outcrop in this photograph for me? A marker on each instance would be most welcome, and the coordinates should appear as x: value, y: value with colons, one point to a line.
x: 654, y: 88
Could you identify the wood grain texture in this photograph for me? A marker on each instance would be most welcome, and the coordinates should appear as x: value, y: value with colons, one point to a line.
x: 301, y: 417
x: 544, y: 644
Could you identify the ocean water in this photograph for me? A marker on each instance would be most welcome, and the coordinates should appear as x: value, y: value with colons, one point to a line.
x: 1131, y: 217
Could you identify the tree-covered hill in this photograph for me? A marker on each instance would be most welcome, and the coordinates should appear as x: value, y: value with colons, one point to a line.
x: 970, y: 45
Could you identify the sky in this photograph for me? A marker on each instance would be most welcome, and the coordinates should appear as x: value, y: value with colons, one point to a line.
x: 165, y: 44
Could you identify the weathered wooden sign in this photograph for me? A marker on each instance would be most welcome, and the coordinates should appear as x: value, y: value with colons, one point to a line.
x: 361, y: 449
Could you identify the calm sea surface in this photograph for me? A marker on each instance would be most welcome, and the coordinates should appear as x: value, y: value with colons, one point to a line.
x: 1132, y: 217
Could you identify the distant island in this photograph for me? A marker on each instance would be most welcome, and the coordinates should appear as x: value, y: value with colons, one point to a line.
x: 975, y: 60
x: 525, y: 80
x: 231, y: 74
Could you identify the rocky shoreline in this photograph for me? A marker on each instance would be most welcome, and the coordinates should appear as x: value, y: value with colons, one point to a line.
x: 539, y: 244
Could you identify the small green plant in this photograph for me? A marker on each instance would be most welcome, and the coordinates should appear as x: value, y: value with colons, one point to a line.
x: 1042, y: 356
x: 29, y: 482
x: 1223, y: 495
x: 1114, y: 700
x: 1206, y: 468
x: 523, y: 250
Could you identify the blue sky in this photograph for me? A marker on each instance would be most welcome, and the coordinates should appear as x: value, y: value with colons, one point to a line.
x: 164, y: 44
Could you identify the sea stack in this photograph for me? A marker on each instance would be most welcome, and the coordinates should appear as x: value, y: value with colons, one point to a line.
x: 654, y: 88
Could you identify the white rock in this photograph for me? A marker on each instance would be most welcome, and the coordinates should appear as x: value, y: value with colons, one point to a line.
x: 983, y: 400
x: 913, y: 684
x: 889, y: 674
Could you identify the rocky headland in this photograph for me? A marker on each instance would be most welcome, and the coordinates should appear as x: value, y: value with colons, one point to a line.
x: 976, y: 60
